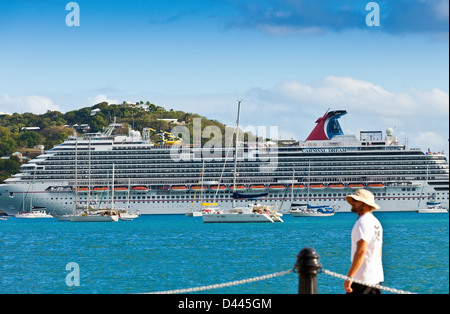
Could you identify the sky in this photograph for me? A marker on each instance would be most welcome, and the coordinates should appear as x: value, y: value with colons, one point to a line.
x: 287, y: 61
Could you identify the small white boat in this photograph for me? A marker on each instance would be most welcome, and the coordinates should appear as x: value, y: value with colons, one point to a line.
x: 236, y: 215
x: 34, y: 213
x: 276, y: 217
x: 267, y: 210
x: 95, y: 216
x: 206, y: 209
x: 432, y: 208
x: 126, y: 215
x: 306, y: 210
x: 251, y: 213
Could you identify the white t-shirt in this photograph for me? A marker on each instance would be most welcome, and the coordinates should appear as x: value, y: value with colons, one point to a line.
x: 369, y: 229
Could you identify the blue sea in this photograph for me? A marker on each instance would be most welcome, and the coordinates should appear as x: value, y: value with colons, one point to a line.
x: 158, y: 253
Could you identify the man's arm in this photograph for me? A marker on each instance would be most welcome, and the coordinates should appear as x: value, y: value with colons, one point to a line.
x: 358, y: 259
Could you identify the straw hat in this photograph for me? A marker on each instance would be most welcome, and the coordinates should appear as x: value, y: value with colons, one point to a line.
x: 364, y: 196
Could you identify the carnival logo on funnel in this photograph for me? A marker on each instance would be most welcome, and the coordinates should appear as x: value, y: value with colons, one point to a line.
x: 327, y: 126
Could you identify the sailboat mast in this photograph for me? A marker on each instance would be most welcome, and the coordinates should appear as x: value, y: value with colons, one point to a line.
x: 236, y: 150
x: 292, y: 185
x: 309, y: 179
x: 112, y: 189
x: 89, y: 176
x: 76, y: 177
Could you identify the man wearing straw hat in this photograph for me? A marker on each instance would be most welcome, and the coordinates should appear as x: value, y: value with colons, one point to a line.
x: 367, y: 240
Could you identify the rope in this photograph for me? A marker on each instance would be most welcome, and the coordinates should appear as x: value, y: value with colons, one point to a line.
x: 278, y: 274
x: 333, y: 274
x: 226, y: 284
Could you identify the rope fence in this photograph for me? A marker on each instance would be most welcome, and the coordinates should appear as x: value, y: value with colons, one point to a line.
x: 312, y: 281
x: 226, y: 284
x: 343, y: 277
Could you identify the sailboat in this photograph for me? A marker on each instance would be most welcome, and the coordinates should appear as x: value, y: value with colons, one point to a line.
x: 205, y: 207
x: 308, y: 210
x: 250, y: 213
x: 89, y: 213
x: 92, y: 214
x: 125, y: 214
x: 35, y: 212
x: 433, y: 207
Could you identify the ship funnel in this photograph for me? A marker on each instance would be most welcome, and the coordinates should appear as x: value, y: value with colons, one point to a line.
x: 327, y: 126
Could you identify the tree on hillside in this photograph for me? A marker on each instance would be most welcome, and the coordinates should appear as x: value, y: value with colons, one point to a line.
x: 97, y: 123
x: 30, y: 139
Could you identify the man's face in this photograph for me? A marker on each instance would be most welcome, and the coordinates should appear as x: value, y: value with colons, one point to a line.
x: 357, y: 206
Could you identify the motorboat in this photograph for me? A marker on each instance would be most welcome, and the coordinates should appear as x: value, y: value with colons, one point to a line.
x: 34, y: 213
x: 307, y: 210
x: 126, y: 215
x: 239, y: 215
x: 432, y: 208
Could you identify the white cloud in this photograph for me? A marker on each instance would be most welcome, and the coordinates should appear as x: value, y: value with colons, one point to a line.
x: 419, y: 117
x: 365, y: 97
x: 101, y: 98
x: 32, y: 103
x: 432, y: 140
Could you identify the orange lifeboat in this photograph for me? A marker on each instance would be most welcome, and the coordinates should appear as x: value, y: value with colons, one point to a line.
x: 140, y: 188
x: 298, y: 186
x: 376, y: 186
x: 198, y: 188
x: 258, y: 187
x: 238, y: 188
x: 218, y: 187
x: 356, y: 186
x: 181, y: 188
x: 100, y: 189
x: 336, y: 186
x: 317, y: 186
x: 277, y: 187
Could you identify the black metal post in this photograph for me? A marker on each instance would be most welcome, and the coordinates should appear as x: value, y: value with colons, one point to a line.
x: 307, y: 267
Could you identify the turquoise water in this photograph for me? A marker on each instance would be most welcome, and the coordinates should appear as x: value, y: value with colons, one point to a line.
x: 157, y: 253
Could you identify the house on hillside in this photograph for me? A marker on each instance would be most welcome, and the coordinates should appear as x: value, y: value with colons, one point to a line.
x: 173, y: 121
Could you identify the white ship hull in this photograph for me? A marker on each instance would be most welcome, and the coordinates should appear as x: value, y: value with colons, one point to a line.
x: 94, y: 218
x: 390, y: 199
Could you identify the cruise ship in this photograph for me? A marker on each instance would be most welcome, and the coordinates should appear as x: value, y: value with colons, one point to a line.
x: 168, y: 179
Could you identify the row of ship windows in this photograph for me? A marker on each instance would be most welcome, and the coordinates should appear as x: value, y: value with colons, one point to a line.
x: 221, y: 196
x: 253, y: 167
x: 243, y: 175
x: 220, y: 157
x: 268, y: 200
x: 298, y: 163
